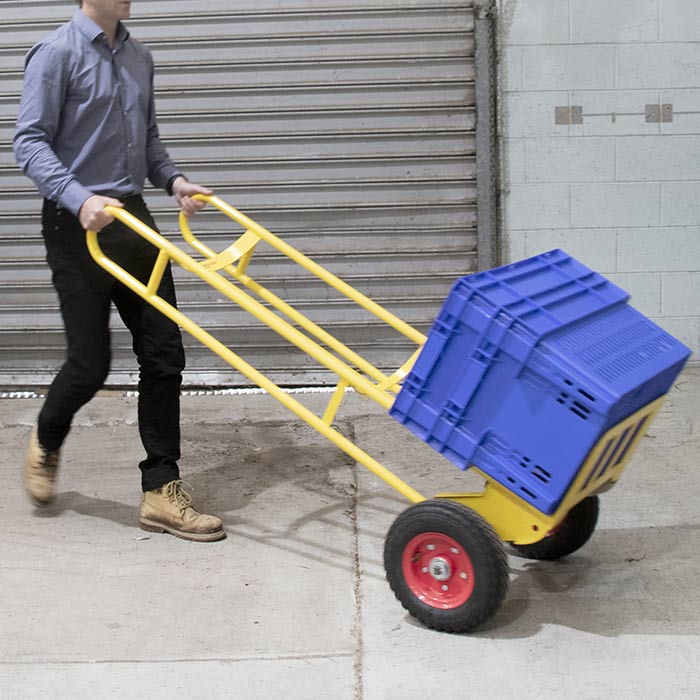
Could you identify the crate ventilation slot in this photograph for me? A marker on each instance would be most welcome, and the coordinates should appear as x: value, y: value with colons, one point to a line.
x: 536, y: 470
x: 576, y: 406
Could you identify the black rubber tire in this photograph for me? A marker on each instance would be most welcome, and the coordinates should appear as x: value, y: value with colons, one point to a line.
x: 573, y: 532
x: 481, y: 545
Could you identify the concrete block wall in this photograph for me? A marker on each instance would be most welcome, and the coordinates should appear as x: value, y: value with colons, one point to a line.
x: 600, y: 144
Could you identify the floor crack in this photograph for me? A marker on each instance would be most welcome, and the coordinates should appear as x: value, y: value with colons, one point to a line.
x: 358, y: 626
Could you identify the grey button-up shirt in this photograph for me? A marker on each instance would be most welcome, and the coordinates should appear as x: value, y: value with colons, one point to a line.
x: 87, y: 122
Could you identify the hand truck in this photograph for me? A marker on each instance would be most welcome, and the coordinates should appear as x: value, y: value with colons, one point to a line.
x: 445, y: 557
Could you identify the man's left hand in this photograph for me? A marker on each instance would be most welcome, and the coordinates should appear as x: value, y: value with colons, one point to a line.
x: 183, y: 191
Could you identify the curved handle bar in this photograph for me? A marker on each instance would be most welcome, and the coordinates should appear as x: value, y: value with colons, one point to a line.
x: 241, y: 249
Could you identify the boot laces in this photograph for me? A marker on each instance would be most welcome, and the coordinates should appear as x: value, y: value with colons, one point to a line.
x: 48, y: 460
x: 177, y: 495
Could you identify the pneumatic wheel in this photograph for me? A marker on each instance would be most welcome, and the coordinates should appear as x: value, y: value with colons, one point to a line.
x: 571, y: 534
x: 446, y: 565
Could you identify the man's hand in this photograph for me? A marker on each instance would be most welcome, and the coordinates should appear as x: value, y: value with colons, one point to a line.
x: 92, y: 214
x: 183, y: 191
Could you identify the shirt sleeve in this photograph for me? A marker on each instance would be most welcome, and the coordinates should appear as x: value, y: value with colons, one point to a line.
x: 45, y: 87
x: 161, y: 170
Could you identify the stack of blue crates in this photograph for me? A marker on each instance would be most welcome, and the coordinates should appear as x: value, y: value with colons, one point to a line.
x: 527, y: 366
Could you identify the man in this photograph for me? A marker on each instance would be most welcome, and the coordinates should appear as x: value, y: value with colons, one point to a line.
x: 87, y: 135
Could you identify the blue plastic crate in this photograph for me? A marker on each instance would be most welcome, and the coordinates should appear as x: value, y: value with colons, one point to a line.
x: 527, y: 366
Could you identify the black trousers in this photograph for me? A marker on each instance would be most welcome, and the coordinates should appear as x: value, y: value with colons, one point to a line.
x: 85, y: 292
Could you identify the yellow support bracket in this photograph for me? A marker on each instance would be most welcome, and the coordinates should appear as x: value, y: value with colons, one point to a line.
x: 241, y: 250
x: 511, y: 517
x: 391, y: 383
x: 517, y: 521
x: 334, y: 403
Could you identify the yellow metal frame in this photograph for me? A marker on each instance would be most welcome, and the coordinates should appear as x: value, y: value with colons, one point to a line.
x: 378, y: 386
x: 514, y: 519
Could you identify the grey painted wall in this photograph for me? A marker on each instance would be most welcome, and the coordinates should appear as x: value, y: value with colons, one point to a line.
x: 600, y: 142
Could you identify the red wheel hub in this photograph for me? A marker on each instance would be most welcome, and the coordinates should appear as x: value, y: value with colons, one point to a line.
x: 438, y: 570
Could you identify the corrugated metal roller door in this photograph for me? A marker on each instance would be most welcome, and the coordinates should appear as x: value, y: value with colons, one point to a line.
x: 346, y: 129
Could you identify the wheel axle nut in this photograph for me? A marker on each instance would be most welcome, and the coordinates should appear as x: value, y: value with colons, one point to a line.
x: 440, y: 569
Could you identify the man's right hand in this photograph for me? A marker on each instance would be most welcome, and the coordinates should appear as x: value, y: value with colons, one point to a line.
x: 92, y: 214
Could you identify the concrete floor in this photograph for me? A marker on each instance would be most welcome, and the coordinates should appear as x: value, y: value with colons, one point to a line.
x: 294, y: 603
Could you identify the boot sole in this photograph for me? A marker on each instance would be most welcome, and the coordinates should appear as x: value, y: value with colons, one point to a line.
x: 153, y: 526
x: 38, y: 503
x: 26, y: 479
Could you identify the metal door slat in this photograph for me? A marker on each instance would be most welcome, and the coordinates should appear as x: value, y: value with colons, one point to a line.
x: 347, y: 128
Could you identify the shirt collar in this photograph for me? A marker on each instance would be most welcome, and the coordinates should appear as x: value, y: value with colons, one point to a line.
x: 92, y: 30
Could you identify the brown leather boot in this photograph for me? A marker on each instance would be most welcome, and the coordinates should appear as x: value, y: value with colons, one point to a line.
x: 39, y: 471
x: 169, y: 509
